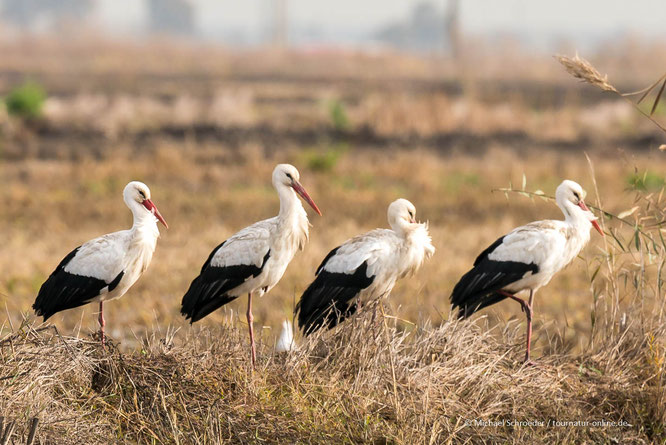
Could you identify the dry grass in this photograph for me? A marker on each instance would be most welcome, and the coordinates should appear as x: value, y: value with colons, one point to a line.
x: 583, y: 70
x: 368, y: 383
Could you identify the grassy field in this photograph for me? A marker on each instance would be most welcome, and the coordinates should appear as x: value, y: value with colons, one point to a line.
x: 53, y: 206
x: 205, y: 138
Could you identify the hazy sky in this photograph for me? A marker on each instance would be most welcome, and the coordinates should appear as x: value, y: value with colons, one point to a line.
x: 539, y: 18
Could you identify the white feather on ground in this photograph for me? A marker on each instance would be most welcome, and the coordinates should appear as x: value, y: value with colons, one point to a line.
x: 286, y: 342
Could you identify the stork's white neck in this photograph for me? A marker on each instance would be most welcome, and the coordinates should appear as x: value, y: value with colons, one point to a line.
x: 290, y: 205
x: 576, y: 217
x: 578, y: 233
x: 145, y: 223
x: 292, y: 219
x: 401, y: 227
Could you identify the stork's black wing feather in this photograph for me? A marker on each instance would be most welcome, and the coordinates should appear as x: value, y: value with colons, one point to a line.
x: 64, y: 290
x: 325, y: 260
x: 479, y: 287
x: 209, y: 291
x: 329, y: 298
x: 483, y: 255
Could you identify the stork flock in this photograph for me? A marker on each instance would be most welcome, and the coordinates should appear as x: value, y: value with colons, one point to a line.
x: 361, y: 270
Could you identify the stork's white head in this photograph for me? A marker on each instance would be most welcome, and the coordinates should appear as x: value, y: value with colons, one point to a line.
x: 286, y: 175
x: 402, y: 215
x: 570, y: 198
x: 138, y: 192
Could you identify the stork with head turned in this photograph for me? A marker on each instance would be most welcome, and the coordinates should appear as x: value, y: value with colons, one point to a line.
x: 364, y: 268
x: 104, y: 268
x: 253, y: 260
x: 527, y: 258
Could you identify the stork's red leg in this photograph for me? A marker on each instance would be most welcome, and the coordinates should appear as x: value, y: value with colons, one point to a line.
x: 527, y: 308
x: 528, y: 313
x: 102, y: 323
x: 250, y: 319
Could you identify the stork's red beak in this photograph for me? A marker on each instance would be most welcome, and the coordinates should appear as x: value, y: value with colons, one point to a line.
x: 147, y: 203
x: 298, y: 188
x: 594, y: 222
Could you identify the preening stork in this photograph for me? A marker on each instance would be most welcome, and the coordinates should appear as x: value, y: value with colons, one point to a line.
x: 253, y: 260
x: 104, y: 268
x: 364, y: 268
x: 527, y: 258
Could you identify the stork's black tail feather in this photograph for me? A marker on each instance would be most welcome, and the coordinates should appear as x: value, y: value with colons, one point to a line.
x: 479, y: 287
x: 330, y: 299
x: 204, y: 297
x: 210, y: 290
x: 337, y: 309
x: 64, y: 290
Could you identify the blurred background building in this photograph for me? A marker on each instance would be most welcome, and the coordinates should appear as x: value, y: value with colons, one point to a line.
x: 423, y: 26
x: 171, y: 17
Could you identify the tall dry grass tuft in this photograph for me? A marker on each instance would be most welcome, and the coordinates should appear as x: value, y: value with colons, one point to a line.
x: 583, y: 70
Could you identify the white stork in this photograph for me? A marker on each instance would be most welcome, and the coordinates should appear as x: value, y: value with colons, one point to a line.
x: 253, y: 260
x: 364, y: 268
x: 527, y: 258
x: 104, y: 268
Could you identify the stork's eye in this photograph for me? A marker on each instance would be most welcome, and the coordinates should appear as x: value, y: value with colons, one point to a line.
x: 289, y: 176
x: 411, y: 215
x: 143, y: 195
x: 577, y: 196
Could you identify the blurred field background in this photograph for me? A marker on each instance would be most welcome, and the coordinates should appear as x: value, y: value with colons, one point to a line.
x: 204, y: 122
x: 204, y: 128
